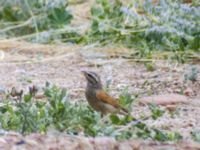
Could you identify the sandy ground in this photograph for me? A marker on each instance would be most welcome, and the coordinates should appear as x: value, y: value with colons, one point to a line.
x: 25, y: 64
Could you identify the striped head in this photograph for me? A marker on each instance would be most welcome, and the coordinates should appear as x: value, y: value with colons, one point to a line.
x: 93, y: 79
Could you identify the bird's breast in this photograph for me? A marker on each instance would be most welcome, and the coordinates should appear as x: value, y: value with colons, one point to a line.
x: 93, y: 100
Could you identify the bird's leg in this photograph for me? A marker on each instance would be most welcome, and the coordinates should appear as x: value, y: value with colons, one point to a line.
x: 104, y: 118
x: 102, y: 115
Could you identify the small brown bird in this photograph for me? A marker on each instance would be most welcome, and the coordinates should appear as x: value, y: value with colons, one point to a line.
x: 98, y: 99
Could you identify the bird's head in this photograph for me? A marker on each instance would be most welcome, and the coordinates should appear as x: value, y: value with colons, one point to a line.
x: 93, y: 79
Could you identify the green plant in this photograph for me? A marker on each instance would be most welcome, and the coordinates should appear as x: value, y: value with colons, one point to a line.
x: 150, y: 66
x: 126, y: 99
x: 156, y: 111
x: 192, y: 74
x: 141, y: 130
x: 142, y: 26
x: 166, y: 136
x: 196, y: 135
x: 37, y: 21
x: 25, y: 114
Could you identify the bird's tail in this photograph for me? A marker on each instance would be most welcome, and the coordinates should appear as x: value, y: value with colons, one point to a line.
x: 123, y: 111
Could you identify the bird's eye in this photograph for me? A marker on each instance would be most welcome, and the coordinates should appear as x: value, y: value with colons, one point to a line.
x: 93, y: 78
x: 89, y: 75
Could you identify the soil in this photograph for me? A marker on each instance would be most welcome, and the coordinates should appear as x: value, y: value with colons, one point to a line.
x: 24, y: 64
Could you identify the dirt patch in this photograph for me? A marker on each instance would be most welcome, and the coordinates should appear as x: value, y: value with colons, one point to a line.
x: 26, y: 64
x: 62, y: 141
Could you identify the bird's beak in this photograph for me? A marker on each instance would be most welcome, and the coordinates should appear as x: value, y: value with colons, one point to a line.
x: 84, y: 72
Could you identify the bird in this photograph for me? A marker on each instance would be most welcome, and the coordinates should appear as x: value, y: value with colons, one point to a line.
x: 98, y: 99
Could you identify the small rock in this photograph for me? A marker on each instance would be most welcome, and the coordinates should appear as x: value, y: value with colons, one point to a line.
x: 2, y: 90
x: 188, y: 92
x: 20, y: 142
x: 104, y: 143
x: 2, y: 55
x: 171, y: 108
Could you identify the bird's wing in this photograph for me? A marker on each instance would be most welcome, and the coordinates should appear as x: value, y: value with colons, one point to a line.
x: 104, y: 97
